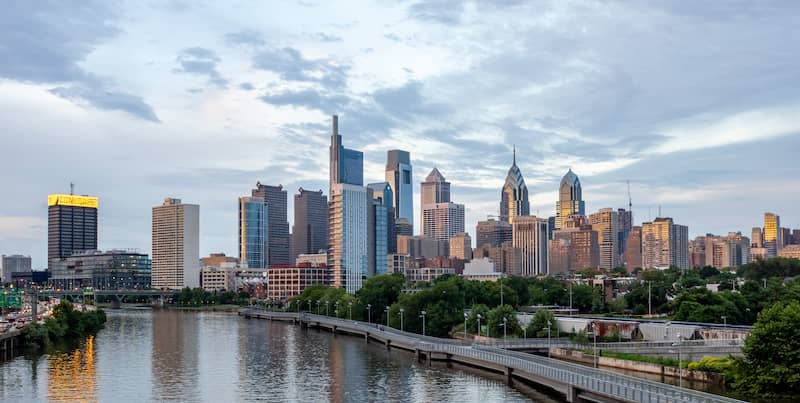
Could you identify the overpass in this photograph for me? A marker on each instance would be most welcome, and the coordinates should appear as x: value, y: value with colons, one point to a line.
x: 577, y: 383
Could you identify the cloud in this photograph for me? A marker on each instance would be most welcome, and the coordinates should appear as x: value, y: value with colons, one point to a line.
x: 247, y: 37
x: 441, y: 11
x: 290, y: 64
x: 201, y: 61
x: 246, y: 86
x: 46, y: 44
x: 323, y: 37
x: 309, y: 98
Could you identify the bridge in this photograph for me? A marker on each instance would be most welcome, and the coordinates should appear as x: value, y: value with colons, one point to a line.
x: 575, y: 382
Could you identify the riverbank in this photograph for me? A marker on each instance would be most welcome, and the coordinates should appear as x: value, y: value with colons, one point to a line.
x: 66, y: 326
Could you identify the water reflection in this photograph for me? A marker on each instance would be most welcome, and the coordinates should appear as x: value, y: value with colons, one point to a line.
x: 72, y: 375
x: 174, y: 356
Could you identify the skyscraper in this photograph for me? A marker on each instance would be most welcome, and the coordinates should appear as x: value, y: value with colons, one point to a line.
x: 461, y: 246
x: 310, y: 230
x: 14, y: 264
x: 665, y: 244
x: 757, y: 237
x: 492, y: 232
x: 441, y: 218
x: 381, y: 225
x: 71, y: 225
x: 348, y: 256
x: 570, y: 199
x: 574, y: 247
x: 633, y: 249
x: 732, y: 250
x: 346, y: 165
x: 530, y: 236
x: 254, y: 232
x: 176, y: 245
x: 772, y: 234
x: 276, y: 198
x: 514, y: 195
x: 399, y: 174
x: 606, y: 223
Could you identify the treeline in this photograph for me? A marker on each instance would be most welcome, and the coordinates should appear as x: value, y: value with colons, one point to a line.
x: 194, y: 297
x: 66, y: 326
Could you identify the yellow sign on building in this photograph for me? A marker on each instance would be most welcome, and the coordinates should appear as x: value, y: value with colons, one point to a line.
x: 72, y: 200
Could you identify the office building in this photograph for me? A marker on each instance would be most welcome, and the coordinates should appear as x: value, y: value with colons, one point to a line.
x: 314, y: 259
x: 433, y: 191
x: 110, y: 270
x: 14, y: 264
x: 790, y: 252
x: 381, y: 225
x: 403, y: 227
x: 574, y: 247
x: 399, y: 175
x: 514, y: 195
x: 346, y: 165
x: 216, y: 278
x: 624, y: 226
x: 530, y: 236
x: 254, y: 247
x: 732, y: 250
x: 757, y: 237
x: 421, y: 246
x: 665, y: 244
x: 786, y: 236
x: 606, y: 223
x: 349, y: 236
x: 461, y: 246
x: 310, y: 229
x: 443, y: 220
x: 697, y: 252
x: 570, y: 199
x: 632, y: 257
x: 276, y: 198
x: 397, y: 263
x: 796, y: 237
x: 507, y: 259
x: 285, y: 282
x: 772, y: 234
x: 219, y: 260
x: 176, y: 245
x: 492, y: 232
x: 71, y: 225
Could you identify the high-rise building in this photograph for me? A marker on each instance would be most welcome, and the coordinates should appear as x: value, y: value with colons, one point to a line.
x: 403, y: 227
x: 697, y: 252
x: 757, y: 237
x: 606, y: 223
x: 492, y: 232
x: 14, y: 264
x: 633, y: 249
x: 110, y: 270
x: 796, y: 237
x: 732, y: 250
x: 790, y: 252
x: 71, y: 225
x: 421, y: 246
x: 254, y: 248
x: 624, y: 225
x: 349, y: 236
x: 399, y: 174
x: 772, y: 234
x: 665, y: 244
x: 346, y: 165
x: 514, y: 195
x: 383, y: 240
x: 276, y: 198
x: 786, y: 236
x: 441, y: 218
x: 507, y: 259
x: 530, y: 236
x: 461, y: 246
x: 176, y: 245
x: 570, y: 199
x: 310, y: 229
x: 574, y: 247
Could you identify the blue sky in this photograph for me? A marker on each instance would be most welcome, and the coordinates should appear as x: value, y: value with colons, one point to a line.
x: 695, y: 103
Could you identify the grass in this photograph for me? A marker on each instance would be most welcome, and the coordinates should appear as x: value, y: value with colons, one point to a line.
x: 669, y: 362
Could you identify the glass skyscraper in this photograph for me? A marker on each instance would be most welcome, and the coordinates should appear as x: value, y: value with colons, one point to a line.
x: 570, y: 199
x: 346, y: 165
x: 398, y: 175
x: 384, y: 240
x: 514, y: 196
x: 71, y: 225
x: 254, y: 232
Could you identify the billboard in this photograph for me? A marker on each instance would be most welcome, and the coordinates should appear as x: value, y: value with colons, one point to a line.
x: 72, y: 200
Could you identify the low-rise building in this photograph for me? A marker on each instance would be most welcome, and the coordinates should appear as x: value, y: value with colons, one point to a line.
x: 215, y: 278
x: 284, y: 282
x: 115, y: 269
x: 481, y: 270
x: 415, y: 275
x: 790, y: 251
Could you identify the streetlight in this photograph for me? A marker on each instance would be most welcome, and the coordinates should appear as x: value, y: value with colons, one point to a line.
x: 724, y: 321
x: 524, y: 332
x: 369, y: 313
x: 680, y: 361
x: 387, y: 315
x: 337, y: 308
x: 318, y: 303
x: 401, y: 318
x: 505, y: 324
x: 666, y: 335
x: 594, y: 333
x: 350, y: 309
x: 570, y: 297
x: 465, y: 325
x: 548, y: 339
x: 479, y: 323
x: 327, y: 310
x: 422, y: 315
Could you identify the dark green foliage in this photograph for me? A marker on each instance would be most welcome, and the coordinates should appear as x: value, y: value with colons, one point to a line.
x: 538, y: 325
x: 780, y: 267
x: 193, y: 297
x: 66, y: 326
x: 495, y: 321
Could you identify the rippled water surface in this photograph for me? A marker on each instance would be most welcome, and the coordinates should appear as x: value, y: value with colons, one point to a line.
x: 144, y: 355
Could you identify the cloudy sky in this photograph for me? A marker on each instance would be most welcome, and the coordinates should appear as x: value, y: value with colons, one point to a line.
x: 697, y: 104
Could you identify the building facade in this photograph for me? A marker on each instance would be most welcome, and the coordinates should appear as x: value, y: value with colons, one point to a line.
x: 14, y: 264
x: 772, y: 234
x: 665, y: 244
x: 570, y: 199
x: 461, y: 246
x: 514, y: 195
x: 399, y: 175
x: 254, y: 247
x: 732, y: 250
x: 530, y: 237
x: 310, y: 229
x: 421, y: 246
x: 349, y: 236
x: 434, y: 190
x: 276, y: 198
x: 443, y: 220
x: 71, y: 225
x: 632, y: 256
x: 109, y: 270
x: 346, y: 165
x: 507, y: 259
x: 176, y: 245
x: 790, y: 251
x: 606, y: 223
x: 492, y: 233
x: 383, y: 240
x: 288, y: 282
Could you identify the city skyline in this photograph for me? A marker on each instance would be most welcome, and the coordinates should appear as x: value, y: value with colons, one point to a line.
x: 262, y: 99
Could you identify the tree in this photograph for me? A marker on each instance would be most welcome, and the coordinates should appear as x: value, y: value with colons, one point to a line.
x: 770, y: 368
x: 472, y: 320
x: 537, y: 327
x: 702, y: 305
x: 380, y: 292
x: 494, y: 320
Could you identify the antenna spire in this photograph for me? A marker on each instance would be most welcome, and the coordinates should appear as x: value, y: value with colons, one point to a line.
x: 71, y: 188
x: 515, y: 155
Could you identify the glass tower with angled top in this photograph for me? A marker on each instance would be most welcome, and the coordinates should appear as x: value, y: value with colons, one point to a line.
x: 514, y: 196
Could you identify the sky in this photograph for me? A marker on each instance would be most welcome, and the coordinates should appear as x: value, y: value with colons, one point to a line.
x: 694, y: 103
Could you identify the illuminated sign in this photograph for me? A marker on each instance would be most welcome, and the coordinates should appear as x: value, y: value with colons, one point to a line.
x: 72, y: 200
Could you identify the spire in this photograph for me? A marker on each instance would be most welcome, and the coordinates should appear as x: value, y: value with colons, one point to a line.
x: 515, y: 155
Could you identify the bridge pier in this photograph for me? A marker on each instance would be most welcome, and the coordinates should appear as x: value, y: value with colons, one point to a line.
x: 388, y: 344
x: 508, y: 372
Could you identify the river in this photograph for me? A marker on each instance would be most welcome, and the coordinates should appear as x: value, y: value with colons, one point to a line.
x: 171, y: 355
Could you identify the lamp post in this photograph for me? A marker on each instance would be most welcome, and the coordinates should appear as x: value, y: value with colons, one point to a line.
x: 337, y: 309
x: 594, y: 333
x: 465, y: 325
x: 724, y: 321
x: 327, y: 309
x: 570, y: 297
x: 387, y: 315
x: 369, y: 313
x: 505, y: 325
x: 548, y: 339
x: 401, y: 318
x: 422, y: 315
x: 350, y: 309
x: 680, y: 362
x: 318, y: 304
x: 524, y: 332
x: 479, y: 324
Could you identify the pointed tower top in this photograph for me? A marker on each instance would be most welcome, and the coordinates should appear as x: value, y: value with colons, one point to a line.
x: 515, y: 155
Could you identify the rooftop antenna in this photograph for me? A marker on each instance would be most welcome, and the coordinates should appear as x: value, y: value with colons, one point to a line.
x: 71, y: 188
x: 515, y: 155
